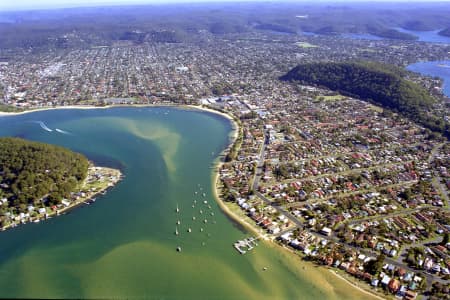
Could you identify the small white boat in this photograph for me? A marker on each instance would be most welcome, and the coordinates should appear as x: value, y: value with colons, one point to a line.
x: 205, y: 221
x: 178, y: 222
x: 177, y: 209
x: 189, y: 230
x: 193, y: 218
x: 201, y: 229
x: 176, y: 230
x: 178, y: 249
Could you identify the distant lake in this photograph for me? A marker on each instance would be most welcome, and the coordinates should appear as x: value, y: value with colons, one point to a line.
x: 427, y: 36
x: 279, y: 32
x: 124, y: 245
x: 434, y: 68
x: 362, y: 36
x: 423, y: 36
x: 307, y: 33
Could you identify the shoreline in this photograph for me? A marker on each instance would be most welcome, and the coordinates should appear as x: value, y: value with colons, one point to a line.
x: 185, y: 106
x: 217, y: 164
x: 37, y: 109
x: 362, y: 290
x: 332, y: 271
x: 87, y: 199
x: 251, y: 228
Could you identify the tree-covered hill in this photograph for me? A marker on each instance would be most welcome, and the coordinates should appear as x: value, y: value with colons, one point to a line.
x: 445, y: 32
x: 390, y: 33
x: 32, y: 171
x: 84, y: 27
x: 378, y: 83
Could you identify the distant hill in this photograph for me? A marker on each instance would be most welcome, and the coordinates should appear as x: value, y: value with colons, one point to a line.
x: 327, y: 30
x: 167, y: 36
x: 416, y: 25
x: 224, y: 27
x: 30, y: 171
x: 74, y: 28
x: 275, y: 27
x: 445, y: 32
x: 391, y: 33
x: 374, y: 82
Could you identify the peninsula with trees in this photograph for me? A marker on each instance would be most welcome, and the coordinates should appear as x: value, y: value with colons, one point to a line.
x: 374, y: 82
x: 39, y: 180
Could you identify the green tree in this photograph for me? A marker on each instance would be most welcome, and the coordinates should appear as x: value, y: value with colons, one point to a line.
x: 446, y: 239
x: 375, y: 266
x: 32, y: 171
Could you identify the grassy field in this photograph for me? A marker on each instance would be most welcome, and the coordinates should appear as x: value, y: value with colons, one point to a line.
x: 9, y: 108
x: 369, y: 50
x: 88, y: 102
x: 305, y: 45
x: 331, y: 98
x: 376, y: 108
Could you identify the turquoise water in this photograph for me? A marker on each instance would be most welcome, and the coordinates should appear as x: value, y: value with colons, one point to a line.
x: 434, y: 68
x: 124, y: 245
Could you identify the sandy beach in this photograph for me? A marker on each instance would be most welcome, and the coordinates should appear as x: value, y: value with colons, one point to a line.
x: 195, y: 107
x: 216, y: 189
x: 355, y: 286
x: 51, y: 108
x: 250, y: 227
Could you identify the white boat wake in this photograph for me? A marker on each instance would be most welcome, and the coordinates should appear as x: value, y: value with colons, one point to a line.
x: 62, y: 131
x: 43, y: 126
x: 46, y: 128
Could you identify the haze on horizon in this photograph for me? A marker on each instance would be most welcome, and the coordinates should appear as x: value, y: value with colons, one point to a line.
x: 53, y: 4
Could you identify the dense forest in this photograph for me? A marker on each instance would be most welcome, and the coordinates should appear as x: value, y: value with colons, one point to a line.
x: 32, y: 172
x: 90, y: 26
x: 390, y: 33
x: 381, y: 84
x: 275, y: 27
